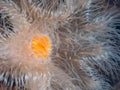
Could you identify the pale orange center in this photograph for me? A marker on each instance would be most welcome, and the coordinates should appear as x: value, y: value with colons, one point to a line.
x: 41, y: 46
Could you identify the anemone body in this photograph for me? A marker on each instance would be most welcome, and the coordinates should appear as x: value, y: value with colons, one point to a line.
x: 84, y: 38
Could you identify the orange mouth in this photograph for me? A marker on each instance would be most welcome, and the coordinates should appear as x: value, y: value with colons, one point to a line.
x: 41, y: 46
